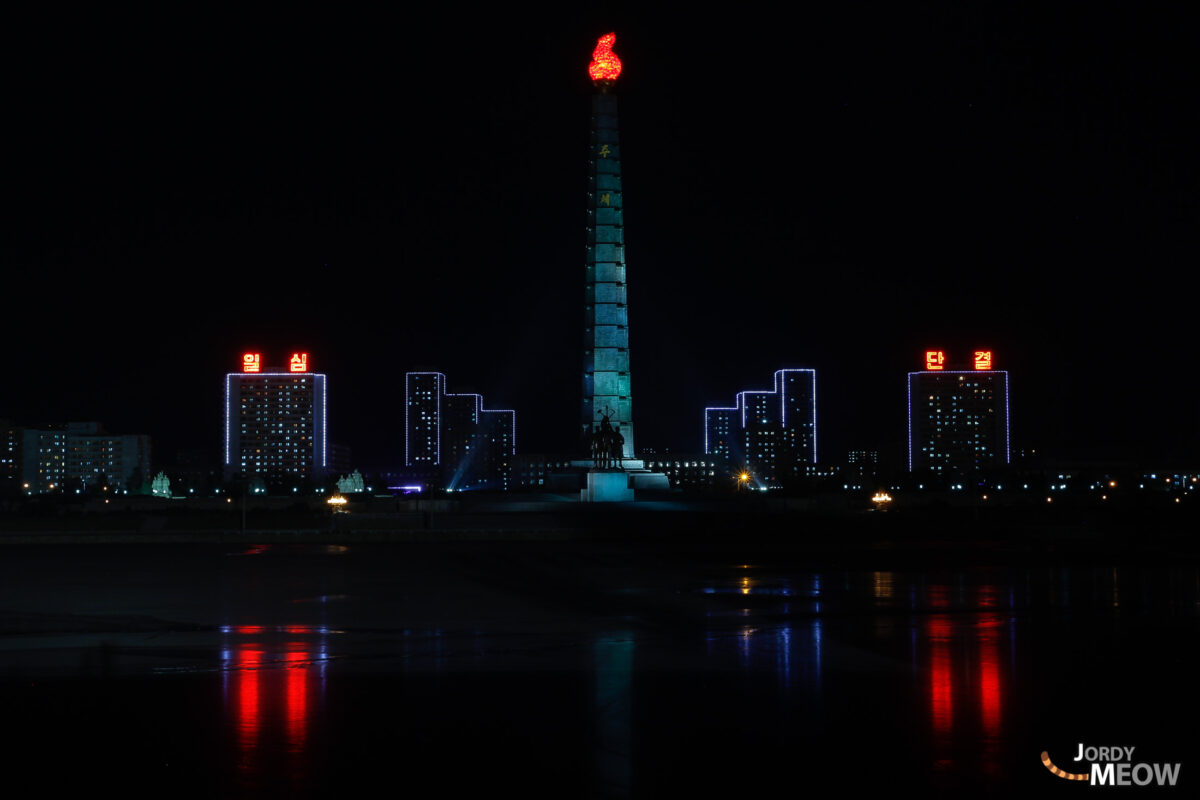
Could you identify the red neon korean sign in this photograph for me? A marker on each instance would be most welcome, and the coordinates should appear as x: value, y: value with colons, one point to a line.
x: 252, y: 362
x: 298, y: 362
x: 935, y: 359
x: 983, y: 359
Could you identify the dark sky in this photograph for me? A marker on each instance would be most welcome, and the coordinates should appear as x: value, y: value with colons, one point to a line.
x: 836, y: 189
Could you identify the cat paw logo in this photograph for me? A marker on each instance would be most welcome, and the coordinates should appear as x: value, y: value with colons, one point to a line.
x: 1114, y: 766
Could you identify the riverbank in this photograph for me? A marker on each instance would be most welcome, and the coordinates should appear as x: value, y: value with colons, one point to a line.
x: 961, y: 534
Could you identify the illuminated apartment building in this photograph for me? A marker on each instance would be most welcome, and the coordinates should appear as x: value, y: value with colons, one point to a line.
x: 78, y: 457
x: 685, y: 470
x: 43, y: 455
x: 275, y: 421
x: 453, y: 439
x: 957, y: 418
x: 10, y: 463
x: 770, y: 433
x: 96, y: 458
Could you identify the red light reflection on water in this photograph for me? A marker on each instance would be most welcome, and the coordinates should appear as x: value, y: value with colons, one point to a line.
x: 272, y: 675
x: 965, y: 673
x: 296, y: 688
x: 965, y: 663
x: 249, y: 713
x: 991, y: 707
x: 989, y: 675
x: 941, y: 677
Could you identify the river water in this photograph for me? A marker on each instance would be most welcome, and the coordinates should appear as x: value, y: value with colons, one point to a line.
x: 574, y: 670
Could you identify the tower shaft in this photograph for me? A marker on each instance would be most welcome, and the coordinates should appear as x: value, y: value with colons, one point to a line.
x: 606, y: 387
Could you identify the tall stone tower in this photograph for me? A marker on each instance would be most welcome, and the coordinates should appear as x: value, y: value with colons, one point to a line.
x: 606, y: 388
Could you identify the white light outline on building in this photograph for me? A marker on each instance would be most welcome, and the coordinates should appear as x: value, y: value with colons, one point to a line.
x: 478, y: 401
x: 910, y: 432
x: 707, y: 452
x: 743, y: 403
x: 778, y: 384
x: 407, y: 457
x: 783, y: 402
x: 441, y: 389
x: 324, y: 420
x: 1007, y: 426
x: 324, y: 413
x: 480, y: 411
x: 1007, y: 413
x: 227, y: 384
x: 483, y: 410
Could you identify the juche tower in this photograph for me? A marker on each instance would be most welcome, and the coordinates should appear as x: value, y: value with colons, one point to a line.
x: 606, y: 387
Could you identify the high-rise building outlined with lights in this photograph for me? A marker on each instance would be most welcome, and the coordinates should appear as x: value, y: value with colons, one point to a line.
x: 275, y: 421
x: 453, y: 438
x: 958, y: 419
x: 771, y: 433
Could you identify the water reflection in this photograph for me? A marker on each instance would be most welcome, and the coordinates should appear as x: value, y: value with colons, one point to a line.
x: 713, y: 674
x: 964, y: 670
x: 955, y: 663
x: 883, y: 584
x: 273, y: 681
x: 938, y: 668
x: 613, y: 670
x: 990, y: 688
x: 955, y: 637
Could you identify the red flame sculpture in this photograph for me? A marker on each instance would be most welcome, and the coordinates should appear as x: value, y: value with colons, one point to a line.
x: 605, y: 65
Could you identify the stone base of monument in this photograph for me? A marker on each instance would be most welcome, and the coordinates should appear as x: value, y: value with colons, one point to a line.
x: 627, y: 464
x: 609, y: 485
x: 645, y: 479
x: 604, y: 486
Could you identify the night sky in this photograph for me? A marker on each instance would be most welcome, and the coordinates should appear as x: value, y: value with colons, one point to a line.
x: 836, y: 189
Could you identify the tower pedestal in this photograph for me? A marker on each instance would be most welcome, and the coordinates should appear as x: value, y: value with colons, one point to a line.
x: 604, y: 486
x: 617, y: 485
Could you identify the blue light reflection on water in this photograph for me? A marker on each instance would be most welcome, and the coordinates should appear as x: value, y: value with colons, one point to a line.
x: 953, y: 672
x: 954, y: 636
x: 613, y: 710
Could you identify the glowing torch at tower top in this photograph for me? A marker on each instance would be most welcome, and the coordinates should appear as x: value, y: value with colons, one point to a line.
x: 605, y: 66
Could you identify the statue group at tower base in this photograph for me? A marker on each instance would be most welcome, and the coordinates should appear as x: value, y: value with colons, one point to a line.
x: 606, y: 443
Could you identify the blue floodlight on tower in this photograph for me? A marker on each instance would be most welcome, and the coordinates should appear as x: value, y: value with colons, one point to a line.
x: 606, y: 380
